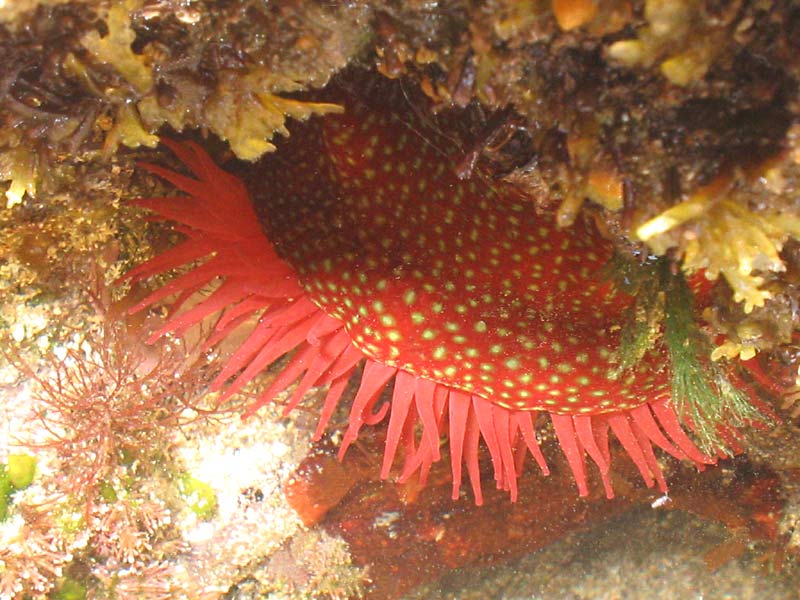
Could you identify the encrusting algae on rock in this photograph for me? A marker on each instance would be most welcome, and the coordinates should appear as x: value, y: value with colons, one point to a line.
x: 362, y: 244
x: 717, y: 213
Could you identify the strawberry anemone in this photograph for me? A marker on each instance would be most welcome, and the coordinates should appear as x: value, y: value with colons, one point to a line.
x: 360, y: 245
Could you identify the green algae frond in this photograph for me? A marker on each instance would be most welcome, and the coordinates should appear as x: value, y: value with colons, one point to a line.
x: 199, y: 495
x: 17, y: 474
x: 21, y: 469
x: 702, y: 392
x: 664, y: 313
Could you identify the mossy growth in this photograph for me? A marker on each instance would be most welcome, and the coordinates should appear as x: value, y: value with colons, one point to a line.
x: 107, y: 492
x: 5, y: 493
x: 643, y: 327
x: 199, y: 496
x: 664, y: 314
x: 15, y: 475
x: 69, y: 589
x: 701, y: 390
x: 21, y: 469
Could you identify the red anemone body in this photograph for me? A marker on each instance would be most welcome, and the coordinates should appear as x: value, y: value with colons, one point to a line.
x: 363, y: 245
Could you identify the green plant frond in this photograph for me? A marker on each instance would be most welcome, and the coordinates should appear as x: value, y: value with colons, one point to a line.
x: 701, y: 390
x: 663, y: 313
x: 641, y: 331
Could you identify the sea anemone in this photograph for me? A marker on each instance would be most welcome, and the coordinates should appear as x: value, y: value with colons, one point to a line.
x: 361, y: 242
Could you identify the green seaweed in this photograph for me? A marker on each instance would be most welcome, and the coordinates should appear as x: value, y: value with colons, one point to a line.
x: 107, y: 492
x: 69, y: 589
x: 21, y: 470
x: 5, y: 493
x: 199, y: 495
x: 641, y: 331
x: 15, y: 475
x: 701, y: 391
x: 663, y: 313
